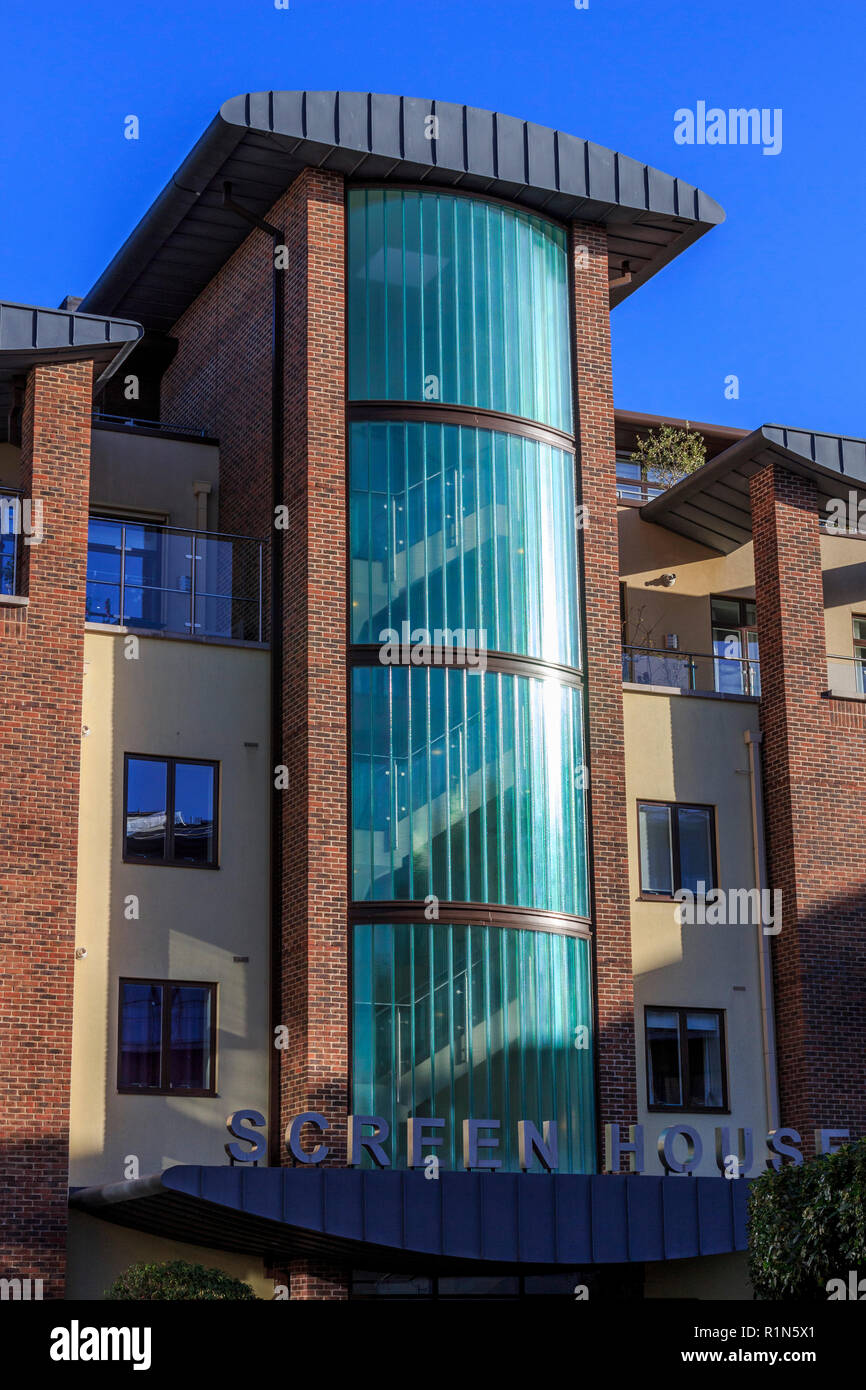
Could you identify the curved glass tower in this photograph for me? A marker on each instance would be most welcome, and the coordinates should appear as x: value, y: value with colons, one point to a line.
x: 471, y: 956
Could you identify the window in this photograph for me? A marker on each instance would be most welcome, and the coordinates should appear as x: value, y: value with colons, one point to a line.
x: 166, y: 1037
x: 860, y: 653
x: 685, y: 1059
x: 735, y: 646
x: 170, y: 811
x: 677, y: 848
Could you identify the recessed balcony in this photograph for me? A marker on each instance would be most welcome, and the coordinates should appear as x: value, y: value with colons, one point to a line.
x: 163, y: 579
x: 691, y: 673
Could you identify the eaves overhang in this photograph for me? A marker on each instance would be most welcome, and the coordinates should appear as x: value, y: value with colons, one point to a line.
x: 31, y: 335
x: 259, y: 142
x: 399, y: 1217
x: 713, y: 507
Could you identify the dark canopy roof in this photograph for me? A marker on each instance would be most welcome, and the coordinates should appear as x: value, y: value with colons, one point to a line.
x: 713, y: 507
x: 260, y: 141
x: 505, y: 1218
x: 30, y: 335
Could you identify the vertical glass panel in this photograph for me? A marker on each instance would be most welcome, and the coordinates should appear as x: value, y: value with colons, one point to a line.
x: 194, y: 807
x: 663, y: 1058
x: 189, y: 1059
x: 466, y: 785
x: 696, y: 848
x: 656, y: 856
x: 730, y: 667
x: 140, y: 1034
x: 10, y: 529
x: 457, y: 1022
x: 467, y: 525
x: 704, y: 1043
x: 458, y: 300
x: 146, y: 807
x: 104, y: 560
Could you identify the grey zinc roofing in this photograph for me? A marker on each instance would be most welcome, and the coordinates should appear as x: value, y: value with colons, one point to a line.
x: 713, y: 506
x: 30, y: 334
x: 260, y: 141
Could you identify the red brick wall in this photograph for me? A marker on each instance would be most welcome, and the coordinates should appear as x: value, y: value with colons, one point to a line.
x: 617, y: 1094
x: 814, y: 772
x: 222, y: 376
x: 40, y: 747
x: 315, y: 847
x: 220, y: 380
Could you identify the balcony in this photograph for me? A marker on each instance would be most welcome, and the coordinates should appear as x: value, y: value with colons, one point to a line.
x: 131, y: 422
x: 162, y: 579
x: 691, y: 672
x: 846, y: 676
x: 10, y: 534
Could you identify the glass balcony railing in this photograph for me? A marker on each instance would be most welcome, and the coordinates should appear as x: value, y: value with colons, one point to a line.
x: 10, y: 536
x: 164, y: 579
x: 689, y: 671
x: 846, y: 674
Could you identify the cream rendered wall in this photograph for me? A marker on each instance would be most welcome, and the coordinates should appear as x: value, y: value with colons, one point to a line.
x: 843, y: 560
x: 200, y: 700
x: 647, y: 551
x: 146, y: 473
x: 690, y: 748
x: 98, y: 1252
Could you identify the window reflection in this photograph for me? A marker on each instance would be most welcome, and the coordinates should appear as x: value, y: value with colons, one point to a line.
x: 170, y: 811
x: 166, y: 1033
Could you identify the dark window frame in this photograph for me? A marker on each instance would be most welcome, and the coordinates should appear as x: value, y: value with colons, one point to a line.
x: 168, y: 860
x: 165, y: 1031
x: 681, y: 1012
x: 742, y: 629
x: 645, y: 894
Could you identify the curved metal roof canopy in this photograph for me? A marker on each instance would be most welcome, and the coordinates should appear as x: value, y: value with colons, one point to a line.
x: 713, y: 505
x: 30, y: 335
x: 400, y: 1217
x: 259, y: 142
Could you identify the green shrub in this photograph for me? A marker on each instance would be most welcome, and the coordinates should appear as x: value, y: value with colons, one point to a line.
x: 174, y: 1279
x: 807, y: 1225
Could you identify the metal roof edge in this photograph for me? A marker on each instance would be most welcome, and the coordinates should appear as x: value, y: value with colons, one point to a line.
x: 477, y: 145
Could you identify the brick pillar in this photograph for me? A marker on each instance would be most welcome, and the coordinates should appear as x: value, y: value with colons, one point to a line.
x: 617, y: 1091
x: 40, y: 747
x: 814, y: 773
x: 315, y: 841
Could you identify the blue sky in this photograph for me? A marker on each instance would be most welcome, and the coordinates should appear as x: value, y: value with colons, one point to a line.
x: 774, y: 296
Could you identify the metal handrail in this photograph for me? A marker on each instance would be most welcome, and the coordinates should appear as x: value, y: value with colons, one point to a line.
x: 691, y: 659
x: 180, y: 530
x: 132, y: 422
x: 195, y: 590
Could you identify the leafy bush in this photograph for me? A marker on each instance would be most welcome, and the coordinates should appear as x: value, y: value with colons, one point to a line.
x: 668, y: 454
x: 807, y: 1225
x: 176, y: 1279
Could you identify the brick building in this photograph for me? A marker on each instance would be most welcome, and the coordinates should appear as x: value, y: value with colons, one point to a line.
x: 327, y: 572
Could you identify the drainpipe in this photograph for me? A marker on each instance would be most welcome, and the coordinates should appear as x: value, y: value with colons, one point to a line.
x: 276, y: 634
x: 753, y: 742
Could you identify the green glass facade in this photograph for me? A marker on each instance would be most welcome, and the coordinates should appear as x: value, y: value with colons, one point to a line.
x: 458, y: 300
x: 464, y: 528
x: 456, y: 1021
x: 467, y: 783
